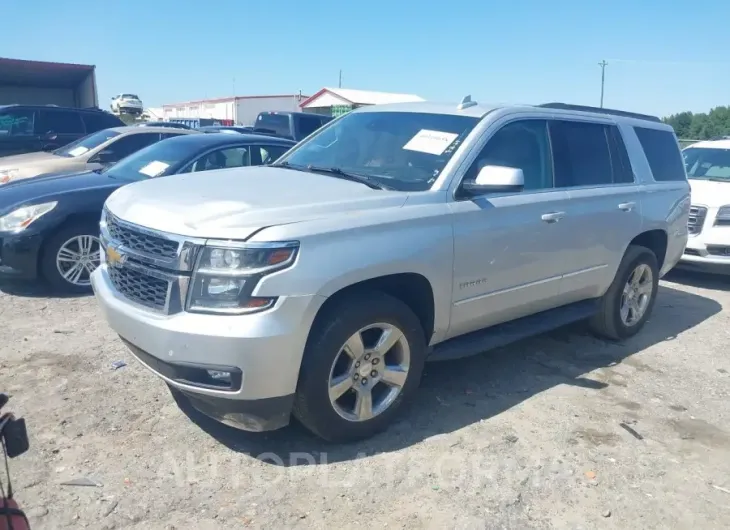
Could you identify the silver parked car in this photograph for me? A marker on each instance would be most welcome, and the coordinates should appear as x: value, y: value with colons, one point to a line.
x: 394, y: 235
x: 95, y: 151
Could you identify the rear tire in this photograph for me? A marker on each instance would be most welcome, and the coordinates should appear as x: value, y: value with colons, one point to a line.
x: 57, y: 256
x: 363, y: 360
x: 628, y: 302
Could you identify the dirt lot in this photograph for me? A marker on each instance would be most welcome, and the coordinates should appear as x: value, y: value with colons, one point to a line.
x: 560, y: 431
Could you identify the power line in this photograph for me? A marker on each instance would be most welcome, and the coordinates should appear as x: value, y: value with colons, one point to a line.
x: 603, y: 65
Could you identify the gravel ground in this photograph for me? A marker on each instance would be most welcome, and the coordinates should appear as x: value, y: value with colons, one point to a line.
x: 559, y: 431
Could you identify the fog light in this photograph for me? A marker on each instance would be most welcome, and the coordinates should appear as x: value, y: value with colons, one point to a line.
x: 223, y: 377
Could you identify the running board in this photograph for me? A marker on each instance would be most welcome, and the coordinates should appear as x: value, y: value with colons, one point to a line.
x: 483, y: 340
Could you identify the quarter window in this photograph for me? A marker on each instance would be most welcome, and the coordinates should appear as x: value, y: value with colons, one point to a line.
x: 662, y: 152
x: 522, y: 145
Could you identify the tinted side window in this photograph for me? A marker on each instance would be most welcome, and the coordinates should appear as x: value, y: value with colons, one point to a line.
x: 16, y: 122
x: 60, y: 122
x: 580, y: 153
x: 132, y: 143
x: 662, y: 152
x: 620, y: 161
x: 270, y: 153
x: 96, y: 121
x: 308, y: 124
x: 523, y: 145
x: 222, y: 159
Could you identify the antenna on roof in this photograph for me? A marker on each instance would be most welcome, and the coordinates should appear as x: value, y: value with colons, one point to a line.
x: 466, y: 103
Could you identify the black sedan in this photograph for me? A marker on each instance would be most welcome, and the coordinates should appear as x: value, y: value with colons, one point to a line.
x: 49, y: 225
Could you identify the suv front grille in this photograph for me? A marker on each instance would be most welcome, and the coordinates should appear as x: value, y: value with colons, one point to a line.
x: 140, y: 287
x: 696, y: 219
x: 138, y: 241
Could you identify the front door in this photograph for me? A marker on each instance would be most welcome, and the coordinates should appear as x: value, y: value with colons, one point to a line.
x: 509, y: 248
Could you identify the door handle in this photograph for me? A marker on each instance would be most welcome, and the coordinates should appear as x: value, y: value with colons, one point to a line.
x: 552, y: 217
x: 627, y: 206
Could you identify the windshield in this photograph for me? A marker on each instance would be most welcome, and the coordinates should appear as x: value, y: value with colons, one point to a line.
x: 405, y: 151
x: 85, y: 144
x: 707, y: 163
x: 129, y: 96
x: 156, y: 160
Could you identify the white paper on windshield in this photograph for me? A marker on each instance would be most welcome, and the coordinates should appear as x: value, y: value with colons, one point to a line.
x: 154, y: 168
x: 78, y: 151
x: 432, y: 142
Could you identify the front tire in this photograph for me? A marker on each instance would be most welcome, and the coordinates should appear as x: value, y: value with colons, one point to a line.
x: 363, y: 360
x: 69, y: 257
x: 628, y: 303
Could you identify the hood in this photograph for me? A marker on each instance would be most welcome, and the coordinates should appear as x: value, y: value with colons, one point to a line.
x: 48, y: 188
x: 710, y: 193
x: 235, y: 203
x: 32, y: 164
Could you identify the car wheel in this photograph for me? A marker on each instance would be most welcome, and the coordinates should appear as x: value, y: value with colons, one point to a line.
x: 362, y: 362
x: 70, y: 256
x: 628, y: 303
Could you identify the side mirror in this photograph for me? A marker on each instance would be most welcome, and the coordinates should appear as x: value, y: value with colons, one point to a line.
x: 496, y: 179
x: 103, y: 157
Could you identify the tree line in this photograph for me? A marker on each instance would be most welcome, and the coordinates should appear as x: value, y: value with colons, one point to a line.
x: 701, y: 126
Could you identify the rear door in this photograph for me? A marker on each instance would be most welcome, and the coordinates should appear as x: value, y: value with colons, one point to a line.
x: 16, y: 131
x: 604, y: 212
x: 58, y: 127
x: 509, y: 247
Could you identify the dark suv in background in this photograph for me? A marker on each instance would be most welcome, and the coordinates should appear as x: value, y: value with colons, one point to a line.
x: 29, y: 128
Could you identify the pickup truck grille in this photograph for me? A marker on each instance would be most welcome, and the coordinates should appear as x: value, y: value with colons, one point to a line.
x: 696, y: 219
x: 138, y: 241
x: 140, y: 288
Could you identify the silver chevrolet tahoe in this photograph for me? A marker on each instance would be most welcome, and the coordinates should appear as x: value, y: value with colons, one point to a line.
x: 318, y: 286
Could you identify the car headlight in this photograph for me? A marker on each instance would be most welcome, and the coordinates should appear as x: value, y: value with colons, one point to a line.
x: 6, y: 175
x: 19, y: 219
x: 225, y: 276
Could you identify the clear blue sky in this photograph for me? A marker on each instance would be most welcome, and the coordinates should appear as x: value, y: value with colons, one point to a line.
x: 663, y: 56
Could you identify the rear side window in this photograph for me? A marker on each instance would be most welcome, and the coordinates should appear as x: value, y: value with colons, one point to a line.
x: 662, y: 152
x: 96, y: 121
x: 582, y: 154
x: 60, y: 122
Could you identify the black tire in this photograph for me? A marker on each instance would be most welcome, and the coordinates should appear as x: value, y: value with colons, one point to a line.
x: 48, y: 270
x: 312, y: 406
x: 607, y: 323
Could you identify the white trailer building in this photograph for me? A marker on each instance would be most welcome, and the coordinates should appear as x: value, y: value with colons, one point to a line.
x: 242, y: 110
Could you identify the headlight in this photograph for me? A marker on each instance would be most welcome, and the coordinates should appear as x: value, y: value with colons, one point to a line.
x: 19, y: 219
x: 6, y: 175
x: 225, y: 276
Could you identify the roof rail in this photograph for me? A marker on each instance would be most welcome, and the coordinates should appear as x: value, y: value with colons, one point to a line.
x: 599, y: 110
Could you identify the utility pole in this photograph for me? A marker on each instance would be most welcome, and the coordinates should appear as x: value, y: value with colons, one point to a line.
x: 340, y: 83
x: 603, y: 65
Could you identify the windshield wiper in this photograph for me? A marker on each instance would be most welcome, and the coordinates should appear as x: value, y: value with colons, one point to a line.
x: 718, y: 179
x: 346, y: 175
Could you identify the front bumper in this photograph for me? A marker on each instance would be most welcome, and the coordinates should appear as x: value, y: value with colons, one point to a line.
x: 266, y: 348
x: 708, y: 251
x: 19, y: 256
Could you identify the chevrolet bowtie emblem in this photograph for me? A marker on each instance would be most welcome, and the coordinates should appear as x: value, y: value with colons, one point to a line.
x: 114, y: 258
